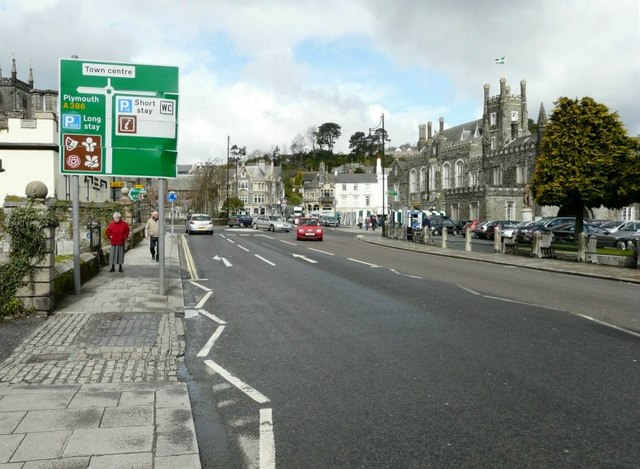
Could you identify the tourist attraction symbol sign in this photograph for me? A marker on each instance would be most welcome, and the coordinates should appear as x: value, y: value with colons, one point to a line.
x: 118, y: 119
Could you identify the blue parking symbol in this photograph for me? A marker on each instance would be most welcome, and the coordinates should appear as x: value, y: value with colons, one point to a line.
x: 71, y: 121
x: 125, y: 105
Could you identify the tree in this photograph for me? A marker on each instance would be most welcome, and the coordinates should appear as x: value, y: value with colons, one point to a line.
x: 207, y: 188
x: 359, y: 144
x: 585, y: 159
x: 327, y: 134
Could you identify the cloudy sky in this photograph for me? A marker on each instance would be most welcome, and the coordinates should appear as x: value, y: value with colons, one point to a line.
x: 263, y: 71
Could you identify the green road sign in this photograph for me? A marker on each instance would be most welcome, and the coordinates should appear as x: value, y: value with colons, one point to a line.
x: 118, y: 119
x: 394, y: 193
x: 134, y: 194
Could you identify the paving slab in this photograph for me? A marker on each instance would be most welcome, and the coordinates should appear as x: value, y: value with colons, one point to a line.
x: 175, y: 432
x: 95, y: 399
x: 41, y: 445
x: 191, y: 461
x: 8, y: 445
x: 62, y: 419
x: 127, y: 416
x: 31, y: 401
x: 126, y: 461
x: 64, y: 463
x: 9, y: 421
x: 100, y: 441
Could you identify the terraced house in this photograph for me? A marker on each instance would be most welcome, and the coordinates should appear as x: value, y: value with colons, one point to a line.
x: 476, y: 170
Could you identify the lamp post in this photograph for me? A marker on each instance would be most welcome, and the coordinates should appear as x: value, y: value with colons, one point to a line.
x: 383, y: 137
x: 228, y: 140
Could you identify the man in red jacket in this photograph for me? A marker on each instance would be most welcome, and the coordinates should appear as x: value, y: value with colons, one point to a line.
x: 117, y: 232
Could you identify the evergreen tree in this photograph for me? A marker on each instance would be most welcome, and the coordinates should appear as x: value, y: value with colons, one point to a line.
x: 585, y: 159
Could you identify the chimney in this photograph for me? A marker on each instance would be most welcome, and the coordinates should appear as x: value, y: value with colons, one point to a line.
x: 429, y: 130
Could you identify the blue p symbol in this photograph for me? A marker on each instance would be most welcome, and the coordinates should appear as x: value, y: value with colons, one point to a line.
x: 125, y: 105
x: 70, y: 121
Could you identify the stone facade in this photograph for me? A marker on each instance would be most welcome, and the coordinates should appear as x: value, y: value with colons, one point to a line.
x: 477, y: 170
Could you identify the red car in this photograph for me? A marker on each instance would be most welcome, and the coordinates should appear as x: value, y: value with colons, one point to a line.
x: 309, y: 228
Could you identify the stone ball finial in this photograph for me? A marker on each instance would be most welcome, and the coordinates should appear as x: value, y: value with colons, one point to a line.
x: 36, y: 190
x: 124, y: 191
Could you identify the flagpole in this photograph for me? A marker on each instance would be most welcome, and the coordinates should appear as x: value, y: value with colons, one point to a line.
x: 505, y: 68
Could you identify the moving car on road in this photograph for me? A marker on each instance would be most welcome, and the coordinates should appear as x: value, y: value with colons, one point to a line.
x: 271, y: 223
x: 309, y: 228
x: 198, y: 223
x: 240, y: 220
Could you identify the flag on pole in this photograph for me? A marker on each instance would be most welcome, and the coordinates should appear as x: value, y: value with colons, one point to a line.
x: 501, y: 60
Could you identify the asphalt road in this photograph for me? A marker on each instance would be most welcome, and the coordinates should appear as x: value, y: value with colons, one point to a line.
x: 372, y: 357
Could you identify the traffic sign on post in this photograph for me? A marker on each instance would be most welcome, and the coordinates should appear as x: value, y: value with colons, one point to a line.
x: 118, y: 119
x: 172, y: 197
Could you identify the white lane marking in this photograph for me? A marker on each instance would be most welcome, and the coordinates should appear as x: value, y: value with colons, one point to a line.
x: 613, y: 326
x: 267, y: 440
x: 265, y: 236
x: 190, y: 313
x: 213, y: 317
x: 243, y: 248
x: 469, y: 290
x: 288, y: 242
x: 300, y: 256
x: 204, y: 299
x: 374, y: 266
x: 223, y: 260
x: 322, y: 252
x: 231, y: 241
x: 204, y: 351
x: 264, y: 260
x: 242, y: 386
x: 394, y: 271
x: 412, y: 276
x: 200, y: 286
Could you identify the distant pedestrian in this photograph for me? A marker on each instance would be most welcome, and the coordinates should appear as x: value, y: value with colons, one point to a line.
x: 152, y: 230
x: 117, y: 232
x: 373, y: 222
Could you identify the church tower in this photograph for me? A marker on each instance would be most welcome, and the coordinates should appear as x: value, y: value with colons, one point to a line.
x: 505, y: 116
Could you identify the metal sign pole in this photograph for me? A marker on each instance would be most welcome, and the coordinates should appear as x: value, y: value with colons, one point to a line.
x: 161, y: 196
x: 77, y: 279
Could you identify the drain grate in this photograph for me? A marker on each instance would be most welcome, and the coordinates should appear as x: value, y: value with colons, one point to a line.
x: 120, y: 330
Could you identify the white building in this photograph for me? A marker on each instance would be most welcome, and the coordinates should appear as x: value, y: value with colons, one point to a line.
x: 360, y: 195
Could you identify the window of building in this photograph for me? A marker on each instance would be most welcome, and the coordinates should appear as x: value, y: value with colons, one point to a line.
x: 446, y: 176
x: 367, y: 200
x: 493, y: 119
x: 432, y: 178
x: 497, y: 176
x: 473, y: 178
x: 459, y: 182
x: 510, y: 211
x: 344, y: 187
x: 521, y: 174
x: 423, y: 179
x: 259, y: 198
x: 628, y: 213
x: 493, y: 143
x: 355, y: 188
x: 514, y: 116
x: 474, y: 211
x: 413, y: 181
x: 454, y: 212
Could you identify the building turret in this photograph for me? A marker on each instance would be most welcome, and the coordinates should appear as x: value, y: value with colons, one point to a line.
x: 30, y: 76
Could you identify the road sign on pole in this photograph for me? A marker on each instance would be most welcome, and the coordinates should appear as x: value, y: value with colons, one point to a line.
x: 118, y: 119
x: 172, y: 197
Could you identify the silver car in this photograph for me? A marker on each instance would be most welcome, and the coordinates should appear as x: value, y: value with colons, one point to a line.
x: 198, y: 223
x: 271, y: 223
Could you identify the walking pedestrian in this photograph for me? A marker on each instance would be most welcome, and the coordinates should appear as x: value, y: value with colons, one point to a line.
x: 117, y: 232
x: 152, y: 230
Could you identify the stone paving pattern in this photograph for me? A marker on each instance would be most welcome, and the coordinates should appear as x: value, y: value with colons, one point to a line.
x: 96, y: 385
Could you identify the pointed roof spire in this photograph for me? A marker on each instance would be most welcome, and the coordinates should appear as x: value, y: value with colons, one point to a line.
x: 542, y: 116
x: 30, y: 74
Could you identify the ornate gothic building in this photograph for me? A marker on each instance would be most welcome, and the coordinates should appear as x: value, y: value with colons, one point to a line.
x: 477, y: 170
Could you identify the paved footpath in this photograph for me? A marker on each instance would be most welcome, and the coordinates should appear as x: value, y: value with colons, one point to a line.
x: 96, y: 385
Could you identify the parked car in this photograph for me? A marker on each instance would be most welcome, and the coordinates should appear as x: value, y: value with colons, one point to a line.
x: 525, y: 234
x: 501, y: 226
x: 486, y: 230
x: 271, y: 223
x: 329, y: 221
x: 629, y: 226
x: 309, y: 228
x: 612, y: 225
x: 439, y: 224
x: 471, y: 225
x: 509, y: 232
x: 198, y: 223
x: 240, y: 220
x: 567, y: 234
x: 627, y: 240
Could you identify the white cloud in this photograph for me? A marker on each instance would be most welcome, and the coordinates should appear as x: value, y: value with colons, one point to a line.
x: 246, y: 71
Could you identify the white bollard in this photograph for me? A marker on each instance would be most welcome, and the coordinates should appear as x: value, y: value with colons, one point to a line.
x: 444, y: 236
x: 467, y: 240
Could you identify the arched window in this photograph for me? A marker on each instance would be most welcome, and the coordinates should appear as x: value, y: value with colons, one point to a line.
x: 459, y: 174
x: 432, y: 178
x: 413, y: 181
x: 423, y: 179
x: 446, y: 176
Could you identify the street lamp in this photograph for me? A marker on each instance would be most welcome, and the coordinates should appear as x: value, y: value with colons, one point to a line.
x: 228, y: 140
x: 380, y: 129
